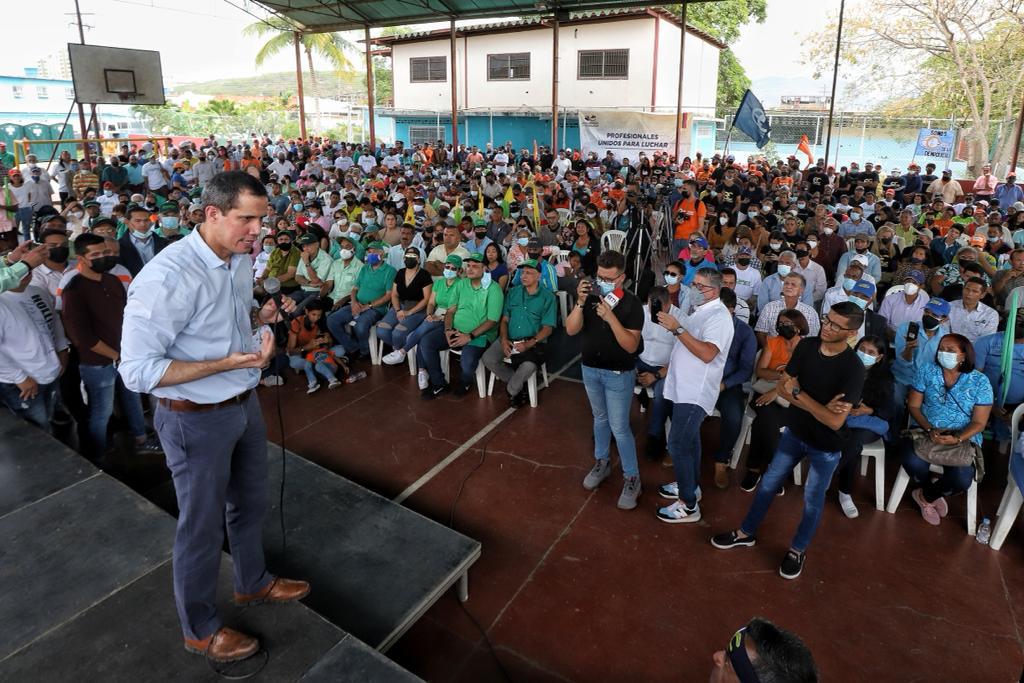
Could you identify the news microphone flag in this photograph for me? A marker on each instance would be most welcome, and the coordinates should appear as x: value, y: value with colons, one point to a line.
x: 751, y: 119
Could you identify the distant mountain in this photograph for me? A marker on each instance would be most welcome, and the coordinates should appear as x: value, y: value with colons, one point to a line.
x: 275, y: 84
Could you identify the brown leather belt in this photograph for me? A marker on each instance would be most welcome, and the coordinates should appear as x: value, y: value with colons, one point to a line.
x: 186, y: 406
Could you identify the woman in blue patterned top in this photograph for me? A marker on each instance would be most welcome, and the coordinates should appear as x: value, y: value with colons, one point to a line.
x: 951, y: 401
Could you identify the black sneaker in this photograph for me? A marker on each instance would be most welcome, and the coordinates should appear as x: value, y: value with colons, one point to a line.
x: 750, y: 481
x: 731, y: 539
x: 461, y: 390
x: 432, y: 392
x: 150, y: 445
x: 792, y: 565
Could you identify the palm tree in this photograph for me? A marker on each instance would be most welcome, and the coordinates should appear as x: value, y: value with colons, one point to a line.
x: 330, y: 46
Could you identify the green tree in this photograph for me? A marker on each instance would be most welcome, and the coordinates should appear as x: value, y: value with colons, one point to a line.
x: 723, y: 20
x: 280, y: 36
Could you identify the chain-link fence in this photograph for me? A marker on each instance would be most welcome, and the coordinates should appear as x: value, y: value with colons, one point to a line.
x: 166, y: 121
x: 866, y: 137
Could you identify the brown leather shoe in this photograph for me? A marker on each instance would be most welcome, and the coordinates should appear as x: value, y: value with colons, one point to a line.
x: 226, y: 645
x: 722, y: 475
x: 279, y: 590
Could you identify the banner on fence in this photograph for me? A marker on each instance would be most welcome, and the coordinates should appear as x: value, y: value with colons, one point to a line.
x: 932, y: 142
x: 627, y: 133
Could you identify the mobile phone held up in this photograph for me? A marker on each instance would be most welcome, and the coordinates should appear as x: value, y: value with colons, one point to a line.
x: 912, y: 330
x: 655, y: 310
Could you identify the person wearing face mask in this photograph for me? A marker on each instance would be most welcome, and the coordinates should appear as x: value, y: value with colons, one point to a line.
x: 283, y: 263
x: 93, y: 313
x: 410, y: 293
x: 812, y: 271
x: 868, y: 421
x: 861, y: 250
x: 480, y: 240
x: 831, y: 247
x: 968, y: 316
x: 259, y: 264
x: 863, y: 294
x: 689, y: 214
x: 901, y: 307
x: 170, y: 222
x: 694, y: 377
x: 951, y: 401
x: 345, y: 270
x: 652, y: 367
x: 520, y: 241
x: 913, y: 354
x: 844, y: 285
x: 855, y: 224
x: 793, y: 295
x: 48, y: 274
x: 368, y: 302
x: 140, y: 243
x: 771, y: 289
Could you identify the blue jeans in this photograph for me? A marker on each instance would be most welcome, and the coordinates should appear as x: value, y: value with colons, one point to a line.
x: 611, y: 394
x: 394, y: 333
x: 338, y: 321
x: 38, y: 410
x: 101, y: 383
x: 731, y: 404
x: 821, y: 466
x: 684, y: 447
x: 953, y: 480
x: 1017, y: 467
x: 23, y: 217
x: 659, y: 408
x: 299, y: 362
x: 421, y: 331
x: 428, y: 355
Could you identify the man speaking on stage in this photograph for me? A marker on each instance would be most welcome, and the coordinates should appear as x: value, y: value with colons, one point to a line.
x: 188, y: 341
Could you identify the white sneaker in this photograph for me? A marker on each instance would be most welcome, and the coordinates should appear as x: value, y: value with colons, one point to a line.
x: 422, y: 379
x: 671, y: 491
x: 333, y: 385
x: 849, y: 508
x: 394, y: 358
x: 272, y: 381
x: 676, y: 513
x: 313, y: 388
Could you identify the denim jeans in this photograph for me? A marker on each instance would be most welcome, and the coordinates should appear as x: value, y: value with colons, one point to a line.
x: 659, y: 406
x: 684, y: 447
x: 101, y: 383
x: 731, y: 405
x: 821, y: 466
x: 611, y: 394
x: 38, y: 410
x: 852, y: 449
x: 428, y: 355
x: 394, y: 333
x: 23, y: 217
x: 953, y: 480
x: 421, y: 330
x: 299, y: 362
x: 338, y: 321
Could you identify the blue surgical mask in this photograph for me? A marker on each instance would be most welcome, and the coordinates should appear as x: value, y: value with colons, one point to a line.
x: 784, y: 270
x: 373, y: 259
x: 857, y: 300
x: 523, y: 241
x: 848, y: 283
x: 672, y: 280
x: 867, y: 359
x: 947, y: 359
x: 605, y: 287
x: 854, y: 215
x: 143, y: 234
x: 169, y: 221
x: 267, y: 248
x: 485, y: 281
x: 678, y: 182
x: 450, y: 273
x: 297, y: 207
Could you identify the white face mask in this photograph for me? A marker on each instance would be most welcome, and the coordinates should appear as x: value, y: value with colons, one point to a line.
x: 911, y: 289
x: 828, y: 231
x: 812, y: 244
x: 346, y: 254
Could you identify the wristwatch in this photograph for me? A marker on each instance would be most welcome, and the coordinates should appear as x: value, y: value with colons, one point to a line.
x: 679, y: 330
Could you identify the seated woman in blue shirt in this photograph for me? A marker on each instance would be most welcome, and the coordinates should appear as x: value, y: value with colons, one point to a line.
x: 951, y: 401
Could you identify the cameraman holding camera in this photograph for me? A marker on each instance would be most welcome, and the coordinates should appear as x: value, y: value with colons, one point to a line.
x: 688, y: 216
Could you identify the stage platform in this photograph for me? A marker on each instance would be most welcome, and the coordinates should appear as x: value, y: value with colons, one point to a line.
x: 86, y: 565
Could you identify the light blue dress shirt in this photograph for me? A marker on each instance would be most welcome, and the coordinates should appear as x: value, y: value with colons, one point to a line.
x: 188, y: 304
x: 145, y: 247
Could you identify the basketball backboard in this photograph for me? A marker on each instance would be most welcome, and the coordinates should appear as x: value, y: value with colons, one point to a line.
x: 114, y: 75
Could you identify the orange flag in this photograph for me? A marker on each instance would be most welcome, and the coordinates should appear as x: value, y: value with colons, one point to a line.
x: 805, y: 147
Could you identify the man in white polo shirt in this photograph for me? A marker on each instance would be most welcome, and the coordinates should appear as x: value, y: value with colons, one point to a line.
x: 694, y: 376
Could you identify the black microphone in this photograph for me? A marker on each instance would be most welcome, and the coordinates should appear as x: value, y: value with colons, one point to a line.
x: 272, y: 286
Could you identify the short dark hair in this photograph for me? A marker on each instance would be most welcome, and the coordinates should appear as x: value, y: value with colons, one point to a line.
x: 798, y: 319
x: 853, y: 313
x: 729, y: 271
x: 52, y: 231
x: 86, y: 240
x: 135, y: 208
x: 781, y: 656
x: 611, y: 259
x: 223, y: 190
x: 976, y: 281
x: 728, y: 297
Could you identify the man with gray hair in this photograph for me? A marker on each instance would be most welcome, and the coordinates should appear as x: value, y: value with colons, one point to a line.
x: 793, y: 290
x: 695, y: 372
x: 771, y: 286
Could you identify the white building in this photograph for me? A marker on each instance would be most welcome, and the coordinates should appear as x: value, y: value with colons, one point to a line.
x: 626, y: 59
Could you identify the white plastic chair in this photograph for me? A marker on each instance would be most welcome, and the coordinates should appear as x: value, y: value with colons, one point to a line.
x: 900, y: 487
x: 613, y: 240
x: 561, y: 257
x: 531, y: 383
x: 563, y: 216
x: 376, y: 346
x: 748, y: 419
x: 481, y: 371
x: 895, y: 289
x: 876, y: 450
x: 410, y: 358
x: 1010, y: 505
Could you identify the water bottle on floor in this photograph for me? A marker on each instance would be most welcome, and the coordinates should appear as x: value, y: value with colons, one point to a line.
x: 355, y: 377
x: 984, y: 531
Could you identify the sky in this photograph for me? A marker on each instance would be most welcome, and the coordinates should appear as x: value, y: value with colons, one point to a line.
x: 217, y: 50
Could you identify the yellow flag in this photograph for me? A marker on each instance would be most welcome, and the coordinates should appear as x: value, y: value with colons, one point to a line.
x: 410, y: 215
x: 480, y: 204
x: 536, y: 211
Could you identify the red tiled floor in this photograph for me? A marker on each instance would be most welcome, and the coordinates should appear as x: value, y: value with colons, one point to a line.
x: 571, y: 588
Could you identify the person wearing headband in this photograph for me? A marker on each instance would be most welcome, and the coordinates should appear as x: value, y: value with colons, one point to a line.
x: 761, y: 652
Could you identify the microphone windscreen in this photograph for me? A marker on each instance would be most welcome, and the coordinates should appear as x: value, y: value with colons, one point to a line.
x: 272, y: 286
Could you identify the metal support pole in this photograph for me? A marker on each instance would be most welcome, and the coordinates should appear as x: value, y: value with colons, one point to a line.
x: 455, y: 102
x: 554, y: 86
x: 835, y: 79
x: 679, y: 90
x: 81, y: 110
x: 298, y: 84
x: 839, y: 142
x: 369, y: 90
x: 1016, y: 139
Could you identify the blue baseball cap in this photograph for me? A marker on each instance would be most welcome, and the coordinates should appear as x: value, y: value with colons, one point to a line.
x: 864, y: 288
x: 699, y: 241
x: 940, y: 307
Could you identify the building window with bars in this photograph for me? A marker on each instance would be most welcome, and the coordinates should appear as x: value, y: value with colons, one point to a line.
x: 602, y: 64
x: 509, y: 67
x: 41, y: 92
x: 422, y: 135
x: 17, y: 92
x: 428, y: 69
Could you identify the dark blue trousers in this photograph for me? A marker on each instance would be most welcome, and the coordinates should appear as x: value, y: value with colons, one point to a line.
x: 218, y: 459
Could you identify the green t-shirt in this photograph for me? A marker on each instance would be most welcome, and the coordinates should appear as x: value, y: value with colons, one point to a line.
x: 474, y: 305
x: 527, y: 313
x: 372, y: 283
x: 443, y: 291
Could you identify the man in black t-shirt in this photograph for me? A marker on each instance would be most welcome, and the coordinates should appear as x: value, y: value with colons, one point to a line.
x: 822, y: 382
x: 609, y: 321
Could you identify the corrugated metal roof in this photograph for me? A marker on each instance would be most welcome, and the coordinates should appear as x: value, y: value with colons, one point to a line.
x: 320, y: 16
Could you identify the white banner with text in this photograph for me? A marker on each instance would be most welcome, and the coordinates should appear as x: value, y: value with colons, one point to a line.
x: 627, y: 133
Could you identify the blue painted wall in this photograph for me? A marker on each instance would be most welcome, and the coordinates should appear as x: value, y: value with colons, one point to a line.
x: 521, y: 130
